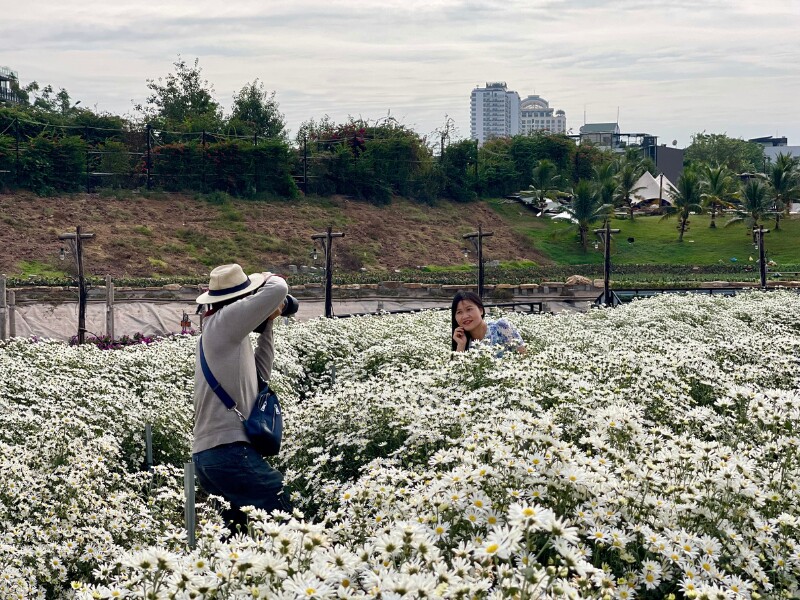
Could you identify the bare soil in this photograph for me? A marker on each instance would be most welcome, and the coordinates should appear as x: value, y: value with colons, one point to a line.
x: 176, y: 234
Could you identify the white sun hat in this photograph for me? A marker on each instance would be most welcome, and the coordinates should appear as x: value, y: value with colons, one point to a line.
x: 229, y: 281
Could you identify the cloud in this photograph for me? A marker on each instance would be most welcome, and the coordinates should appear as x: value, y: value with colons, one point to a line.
x: 672, y: 69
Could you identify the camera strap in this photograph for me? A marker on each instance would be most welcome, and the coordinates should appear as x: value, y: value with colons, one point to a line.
x: 215, y: 385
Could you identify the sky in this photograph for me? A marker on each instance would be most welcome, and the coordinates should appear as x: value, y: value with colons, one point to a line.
x: 670, y: 69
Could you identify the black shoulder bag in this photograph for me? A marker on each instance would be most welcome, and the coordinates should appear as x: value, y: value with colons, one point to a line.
x: 264, y: 426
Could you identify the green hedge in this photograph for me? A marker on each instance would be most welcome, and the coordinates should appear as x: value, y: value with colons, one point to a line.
x: 624, y: 275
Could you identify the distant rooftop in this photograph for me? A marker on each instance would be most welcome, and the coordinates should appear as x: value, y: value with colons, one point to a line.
x: 599, y: 128
x: 771, y: 141
x: 534, y: 102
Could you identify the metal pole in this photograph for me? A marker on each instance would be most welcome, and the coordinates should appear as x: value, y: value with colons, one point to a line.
x: 149, y: 130
x: 16, y: 145
x: 12, y: 314
x: 305, y: 165
x: 86, y: 142
x: 109, y: 307
x: 3, y: 308
x: 607, y: 264
x: 480, y: 261
x: 189, y: 512
x: 203, y: 184
x: 148, y: 445
x: 81, y: 289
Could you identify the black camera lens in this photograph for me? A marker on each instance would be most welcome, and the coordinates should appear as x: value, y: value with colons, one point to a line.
x: 290, y: 307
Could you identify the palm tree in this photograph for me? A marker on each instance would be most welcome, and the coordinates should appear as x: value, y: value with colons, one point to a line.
x: 784, y: 182
x: 605, y: 182
x: 685, y: 200
x: 545, y: 181
x: 627, y: 176
x: 587, y: 207
x: 717, y: 190
x: 756, y: 204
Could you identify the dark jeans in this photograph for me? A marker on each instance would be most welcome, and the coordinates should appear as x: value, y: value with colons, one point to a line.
x: 239, y: 474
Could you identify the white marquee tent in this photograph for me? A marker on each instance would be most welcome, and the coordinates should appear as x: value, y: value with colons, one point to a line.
x: 653, y: 188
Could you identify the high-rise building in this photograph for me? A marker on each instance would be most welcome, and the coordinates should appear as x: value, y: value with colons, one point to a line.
x: 494, y: 112
x: 536, y: 115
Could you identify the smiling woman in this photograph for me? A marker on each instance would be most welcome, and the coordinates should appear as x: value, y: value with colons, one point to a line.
x: 469, y: 324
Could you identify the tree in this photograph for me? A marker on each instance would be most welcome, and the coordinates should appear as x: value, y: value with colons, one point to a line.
x: 586, y: 208
x: 255, y: 112
x: 756, y: 204
x: 587, y: 159
x: 604, y: 176
x: 497, y: 173
x: 738, y: 155
x: 46, y: 98
x: 784, y: 183
x: 717, y: 190
x: 545, y: 181
x: 626, y: 178
x: 686, y: 200
x: 182, y: 100
x: 457, y: 169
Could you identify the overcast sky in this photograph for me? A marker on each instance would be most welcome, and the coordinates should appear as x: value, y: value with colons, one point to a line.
x: 685, y: 66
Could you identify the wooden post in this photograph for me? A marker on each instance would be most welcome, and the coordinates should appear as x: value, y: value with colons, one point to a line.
x: 327, y: 241
x: 479, y: 235
x: 109, y: 307
x: 189, y: 512
x: 79, y: 237
x: 12, y: 314
x: 81, y: 288
x: 3, y: 308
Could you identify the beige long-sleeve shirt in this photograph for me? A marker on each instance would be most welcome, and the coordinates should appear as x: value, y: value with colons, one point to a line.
x: 230, y: 356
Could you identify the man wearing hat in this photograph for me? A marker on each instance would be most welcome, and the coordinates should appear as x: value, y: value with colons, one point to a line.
x: 225, y: 462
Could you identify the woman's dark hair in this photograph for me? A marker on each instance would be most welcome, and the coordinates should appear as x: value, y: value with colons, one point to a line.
x: 471, y: 297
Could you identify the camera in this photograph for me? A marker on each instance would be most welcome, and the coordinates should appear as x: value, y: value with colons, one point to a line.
x: 290, y: 306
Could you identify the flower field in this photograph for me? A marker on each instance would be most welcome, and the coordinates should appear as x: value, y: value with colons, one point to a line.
x: 638, y: 452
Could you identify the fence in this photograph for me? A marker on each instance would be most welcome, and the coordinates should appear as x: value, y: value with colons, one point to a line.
x: 44, y: 157
x: 85, y: 156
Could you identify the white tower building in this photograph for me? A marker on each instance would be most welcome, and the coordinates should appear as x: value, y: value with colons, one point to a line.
x: 494, y: 112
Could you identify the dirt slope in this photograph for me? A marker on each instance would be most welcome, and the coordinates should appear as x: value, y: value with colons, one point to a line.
x: 179, y: 235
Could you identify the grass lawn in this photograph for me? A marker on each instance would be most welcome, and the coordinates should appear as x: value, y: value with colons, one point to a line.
x: 656, y: 240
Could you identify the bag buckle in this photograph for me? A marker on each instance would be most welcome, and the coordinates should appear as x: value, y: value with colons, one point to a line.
x: 238, y: 413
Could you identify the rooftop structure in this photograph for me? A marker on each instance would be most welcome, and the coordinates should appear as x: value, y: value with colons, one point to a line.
x: 8, y: 80
x: 602, y: 135
x: 770, y: 141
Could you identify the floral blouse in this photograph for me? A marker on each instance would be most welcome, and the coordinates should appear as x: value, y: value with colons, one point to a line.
x: 502, y: 333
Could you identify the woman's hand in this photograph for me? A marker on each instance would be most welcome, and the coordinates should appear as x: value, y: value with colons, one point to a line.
x: 277, y: 312
x: 460, y: 338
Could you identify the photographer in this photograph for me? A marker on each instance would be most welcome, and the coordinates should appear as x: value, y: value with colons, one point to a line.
x: 225, y: 462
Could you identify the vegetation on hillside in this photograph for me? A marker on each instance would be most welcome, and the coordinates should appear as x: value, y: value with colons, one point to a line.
x: 181, y: 139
